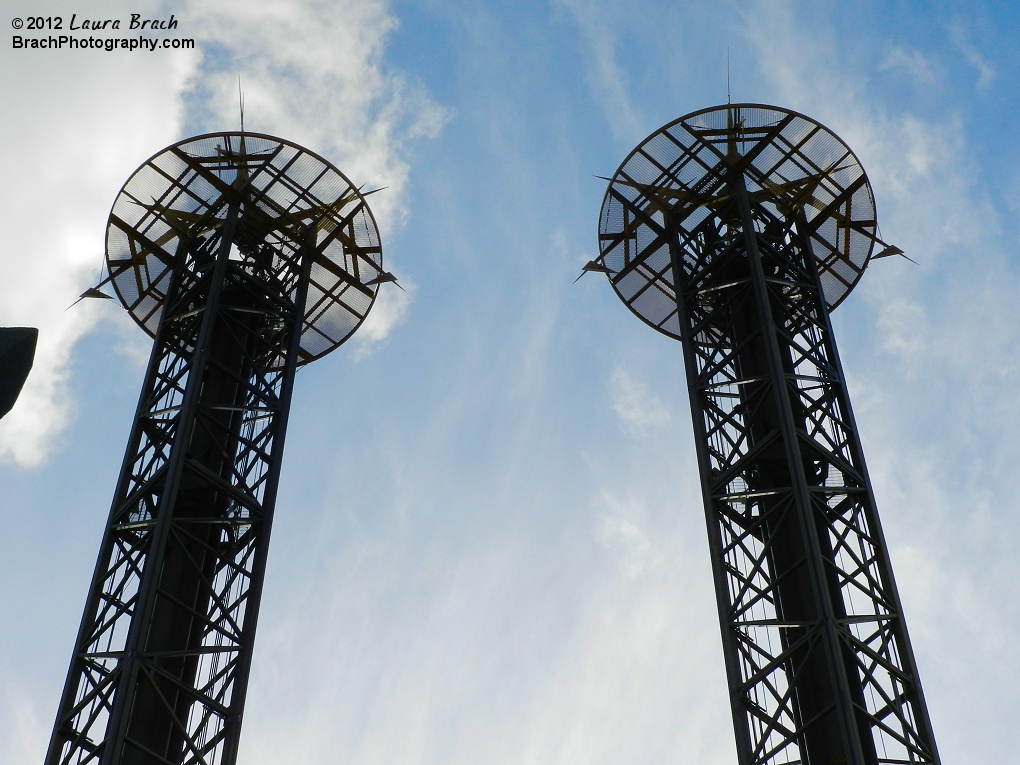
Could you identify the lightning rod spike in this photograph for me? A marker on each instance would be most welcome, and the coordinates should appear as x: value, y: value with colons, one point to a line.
x: 240, y: 101
x: 729, y: 98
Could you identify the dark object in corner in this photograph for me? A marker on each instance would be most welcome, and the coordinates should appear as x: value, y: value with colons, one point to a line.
x: 17, y: 351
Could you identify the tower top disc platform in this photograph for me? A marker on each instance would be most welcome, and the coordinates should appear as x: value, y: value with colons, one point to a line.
x: 678, y: 175
x: 289, y: 200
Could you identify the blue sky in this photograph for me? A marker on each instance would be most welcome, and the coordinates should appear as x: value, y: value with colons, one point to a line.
x: 489, y: 543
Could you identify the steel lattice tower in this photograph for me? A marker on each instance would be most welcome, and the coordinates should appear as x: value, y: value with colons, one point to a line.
x: 736, y: 230
x: 244, y: 256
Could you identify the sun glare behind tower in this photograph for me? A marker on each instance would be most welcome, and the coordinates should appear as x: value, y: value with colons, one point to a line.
x: 736, y: 230
x: 243, y: 256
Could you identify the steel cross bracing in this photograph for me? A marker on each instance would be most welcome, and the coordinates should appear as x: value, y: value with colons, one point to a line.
x: 161, y: 662
x: 819, y: 663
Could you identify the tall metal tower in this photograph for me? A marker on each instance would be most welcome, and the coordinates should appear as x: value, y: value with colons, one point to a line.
x: 736, y: 230
x: 244, y: 256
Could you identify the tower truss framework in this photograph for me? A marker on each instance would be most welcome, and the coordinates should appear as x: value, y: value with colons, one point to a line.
x: 244, y: 256
x: 736, y: 230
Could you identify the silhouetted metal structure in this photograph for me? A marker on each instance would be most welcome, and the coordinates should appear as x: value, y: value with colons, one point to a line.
x: 17, y: 352
x: 736, y: 230
x: 244, y: 256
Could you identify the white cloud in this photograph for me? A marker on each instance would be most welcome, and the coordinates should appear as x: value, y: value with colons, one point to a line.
x: 608, y: 79
x: 388, y: 311
x: 911, y: 61
x: 81, y: 122
x: 625, y: 692
x: 904, y: 334
x: 620, y: 530
x: 637, y: 406
x: 312, y: 72
x: 27, y: 734
x: 985, y: 70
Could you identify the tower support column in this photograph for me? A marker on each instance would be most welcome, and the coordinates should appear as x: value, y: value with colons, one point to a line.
x: 736, y: 230
x: 244, y: 256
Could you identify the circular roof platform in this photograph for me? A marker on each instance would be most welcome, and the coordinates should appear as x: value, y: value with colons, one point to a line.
x: 675, y: 177
x: 288, y: 198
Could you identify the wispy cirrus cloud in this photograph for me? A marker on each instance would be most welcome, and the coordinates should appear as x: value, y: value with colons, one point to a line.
x: 985, y: 70
x: 608, y: 78
x: 911, y: 61
x: 621, y: 529
x: 637, y: 406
